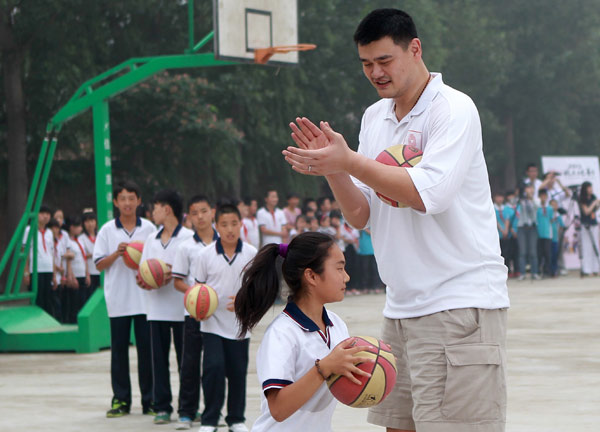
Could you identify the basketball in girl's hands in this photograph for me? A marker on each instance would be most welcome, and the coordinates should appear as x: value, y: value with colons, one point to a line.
x: 400, y: 155
x: 372, y: 390
x: 154, y: 272
x: 201, y: 301
x: 133, y: 254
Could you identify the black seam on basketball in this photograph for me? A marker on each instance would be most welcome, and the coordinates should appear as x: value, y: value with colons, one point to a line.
x: 393, y: 157
x: 368, y: 379
x: 330, y: 384
x: 386, y: 360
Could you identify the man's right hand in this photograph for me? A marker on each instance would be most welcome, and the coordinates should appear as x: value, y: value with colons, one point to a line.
x: 121, y: 249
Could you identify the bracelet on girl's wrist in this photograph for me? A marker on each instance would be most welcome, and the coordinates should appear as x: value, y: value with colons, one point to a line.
x: 318, y: 366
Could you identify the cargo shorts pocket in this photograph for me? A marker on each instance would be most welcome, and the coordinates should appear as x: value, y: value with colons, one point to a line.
x: 475, y: 388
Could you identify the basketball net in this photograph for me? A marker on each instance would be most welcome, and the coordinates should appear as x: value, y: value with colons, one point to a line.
x: 262, y: 55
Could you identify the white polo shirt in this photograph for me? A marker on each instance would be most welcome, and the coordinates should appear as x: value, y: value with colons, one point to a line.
x: 88, y: 246
x: 224, y: 275
x: 272, y: 221
x: 123, y: 296
x: 78, y: 261
x: 250, y: 231
x: 185, y: 259
x: 165, y: 303
x: 45, y: 250
x: 449, y: 256
x: 288, y: 350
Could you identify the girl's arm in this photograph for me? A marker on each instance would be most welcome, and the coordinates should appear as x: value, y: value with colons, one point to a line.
x: 286, y: 401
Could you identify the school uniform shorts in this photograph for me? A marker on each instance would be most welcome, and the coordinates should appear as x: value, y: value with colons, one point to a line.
x: 451, y: 372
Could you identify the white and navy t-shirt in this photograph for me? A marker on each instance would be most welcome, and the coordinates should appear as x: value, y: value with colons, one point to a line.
x: 288, y: 350
x: 186, y: 257
x: 273, y: 221
x: 88, y: 246
x: 165, y: 303
x: 45, y: 250
x: 250, y: 232
x: 223, y: 274
x: 123, y: 296
x: 449, y: 256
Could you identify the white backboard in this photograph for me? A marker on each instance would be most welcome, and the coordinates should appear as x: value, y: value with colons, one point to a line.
x: 241, y: 26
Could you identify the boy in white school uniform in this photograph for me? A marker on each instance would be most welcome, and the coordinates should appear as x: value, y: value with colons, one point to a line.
x: 271, y: 220
x: 220, y: 266
x: 165, y: 309
x: 201, y: 214
x: 125, y: 301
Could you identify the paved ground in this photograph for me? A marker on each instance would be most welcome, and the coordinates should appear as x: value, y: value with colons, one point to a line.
x: 554, y: 370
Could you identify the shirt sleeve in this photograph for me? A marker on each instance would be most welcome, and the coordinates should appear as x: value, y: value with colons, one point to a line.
x: 181, y: 264
x: 454, y: 140
x: 100, y: 247
x: 276, y: 359
x: 260, y: 217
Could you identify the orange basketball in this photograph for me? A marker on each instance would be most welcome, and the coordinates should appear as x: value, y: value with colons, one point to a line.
x: 201, y: 301
x: 133, y: 254
x: 153, y: 272
x: 372, y: 390
x: 400, y: 155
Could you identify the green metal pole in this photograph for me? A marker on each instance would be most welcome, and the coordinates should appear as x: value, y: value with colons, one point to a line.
x: 102, y: 160
x: 190, y: 26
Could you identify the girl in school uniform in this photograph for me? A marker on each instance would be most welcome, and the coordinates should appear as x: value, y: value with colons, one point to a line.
x: 78, y: 277
x: 87, y: 240
x: 302, y: 347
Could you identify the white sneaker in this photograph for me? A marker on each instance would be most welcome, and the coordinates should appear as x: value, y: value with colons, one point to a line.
x: 184, y: 423
x: 207, y: 429
x: 238, y: 427
x: 521, y: 277
x: 536, y: 277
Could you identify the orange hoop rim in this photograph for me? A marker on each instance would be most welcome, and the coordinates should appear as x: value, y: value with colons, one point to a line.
x: 262, y: 55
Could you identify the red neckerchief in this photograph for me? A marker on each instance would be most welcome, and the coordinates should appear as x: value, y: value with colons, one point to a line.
x: 92, y: 238
x: 80, y: 248
x: 44, y: 239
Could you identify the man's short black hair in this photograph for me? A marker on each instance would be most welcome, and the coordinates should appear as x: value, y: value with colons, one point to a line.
x: 129, y: 186
x: 45, y: 209
x: 531, y: 165
x: 227, y: 209
x: 381, y: 23
x: 172, y: 199
x: 53, y: 224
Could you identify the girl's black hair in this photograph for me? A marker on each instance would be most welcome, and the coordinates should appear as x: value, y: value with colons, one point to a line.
x: 86, y: 216
x: 584, y: 197
x: 260, y: 282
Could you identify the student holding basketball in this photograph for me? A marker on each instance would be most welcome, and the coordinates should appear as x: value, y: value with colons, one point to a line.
x: 125, y: 302
x: 446, y: 296
x: 302, y: 346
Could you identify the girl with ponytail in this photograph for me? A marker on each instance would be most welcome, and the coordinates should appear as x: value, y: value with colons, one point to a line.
x: 302, y: 347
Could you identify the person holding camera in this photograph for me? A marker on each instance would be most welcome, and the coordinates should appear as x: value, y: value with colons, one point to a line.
x: 588, y: 206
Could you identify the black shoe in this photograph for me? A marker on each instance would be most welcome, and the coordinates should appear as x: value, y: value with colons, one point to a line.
x: 119, y: 409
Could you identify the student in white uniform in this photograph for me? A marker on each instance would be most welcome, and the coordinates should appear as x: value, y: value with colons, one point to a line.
x: 220, y: 266
x: 201, y: 214
x: 87, y: 240
x: 47, y: 297
x: 165, y: 308
x: 250, y: 223
x: 78, y: 277
x: 301, y: 347
x: 271, y: 220
x: 125, y: 301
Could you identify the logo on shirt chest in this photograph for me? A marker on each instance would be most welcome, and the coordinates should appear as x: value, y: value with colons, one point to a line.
x: 415, y: 139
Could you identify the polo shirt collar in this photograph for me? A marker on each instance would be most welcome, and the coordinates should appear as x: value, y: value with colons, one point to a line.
x: 305, y: 323
x: 220, y: 250
x: 175, y: 231
x: 199, y: 240
x: 428, y: 95
x: 138, y: 222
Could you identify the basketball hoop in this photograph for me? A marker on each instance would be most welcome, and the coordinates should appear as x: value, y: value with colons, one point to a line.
x: 262, y: 55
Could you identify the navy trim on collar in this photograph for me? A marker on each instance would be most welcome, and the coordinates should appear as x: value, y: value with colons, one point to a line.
x: 220, y: 250
x: 305, y: 323
x: 199, y: 240
x: 138, y: 222
x: 175, y: 231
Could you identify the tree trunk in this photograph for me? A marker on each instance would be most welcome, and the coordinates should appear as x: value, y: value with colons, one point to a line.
x: 510, y: 172
x: 12, y: 68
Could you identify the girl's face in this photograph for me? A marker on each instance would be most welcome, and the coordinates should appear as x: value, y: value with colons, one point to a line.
x: 60, y: 217
x: 314, y: 224
x: 90, y: 225
x: 300, y: 225
x: 330, y: 285
x: 325, y: 222
x: 75, y: 230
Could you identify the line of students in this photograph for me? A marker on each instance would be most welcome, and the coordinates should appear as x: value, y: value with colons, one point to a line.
x: 215, y: 256
x: 66, y: 276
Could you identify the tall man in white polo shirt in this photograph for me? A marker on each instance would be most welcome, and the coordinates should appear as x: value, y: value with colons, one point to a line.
x: 165, y: 308
x: 125, y: 301
x: 271, y: 220
x: 446, y: 297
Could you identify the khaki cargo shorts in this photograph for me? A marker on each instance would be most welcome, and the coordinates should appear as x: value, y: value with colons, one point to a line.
x: 451, y: 372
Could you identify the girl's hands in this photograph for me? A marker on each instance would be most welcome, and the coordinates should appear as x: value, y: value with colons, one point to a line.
x: 341, y: 361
